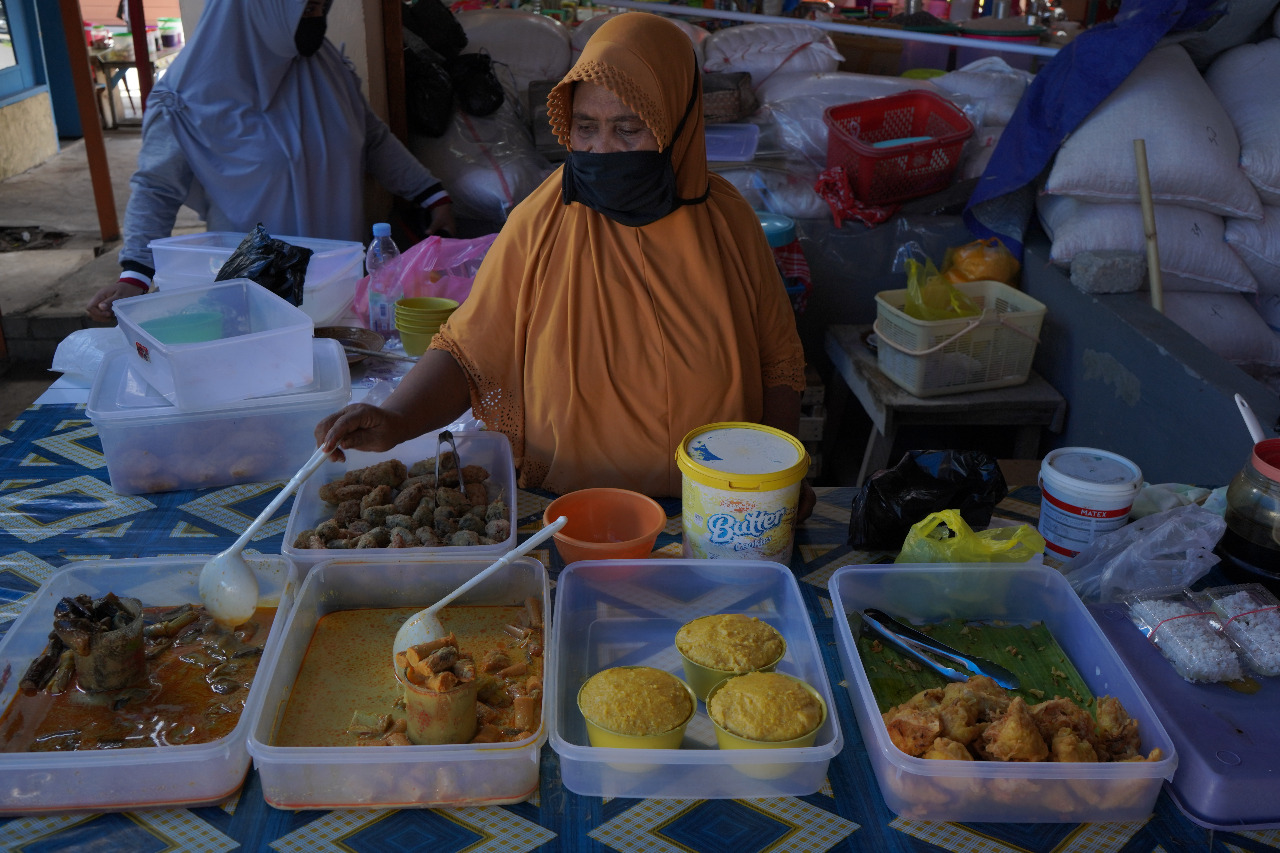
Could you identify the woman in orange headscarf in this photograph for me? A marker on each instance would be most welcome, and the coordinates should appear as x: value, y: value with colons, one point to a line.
x: 628, y: 300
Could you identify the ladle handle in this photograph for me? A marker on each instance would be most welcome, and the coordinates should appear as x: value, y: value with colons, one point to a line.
x: 316, y: 460
x: 519, y: 551
x: 1250, y: 420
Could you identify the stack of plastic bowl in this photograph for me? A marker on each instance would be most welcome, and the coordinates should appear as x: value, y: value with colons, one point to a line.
x: 418, y: 318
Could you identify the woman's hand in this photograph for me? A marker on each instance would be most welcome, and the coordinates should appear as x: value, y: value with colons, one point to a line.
x: 359, y: 427
x: 440, y: 221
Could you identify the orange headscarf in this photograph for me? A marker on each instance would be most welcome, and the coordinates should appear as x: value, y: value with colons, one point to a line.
x: 595, y: 346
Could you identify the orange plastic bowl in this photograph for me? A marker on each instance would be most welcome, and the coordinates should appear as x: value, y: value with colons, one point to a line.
x: 605, y: 524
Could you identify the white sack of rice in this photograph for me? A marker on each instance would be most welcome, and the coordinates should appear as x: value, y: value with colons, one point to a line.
x: 1250, y: 618
x: 1187, y: 637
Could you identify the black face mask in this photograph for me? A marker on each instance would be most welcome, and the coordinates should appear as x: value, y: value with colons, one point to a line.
x: 630, y: 187
x: 309, y: 35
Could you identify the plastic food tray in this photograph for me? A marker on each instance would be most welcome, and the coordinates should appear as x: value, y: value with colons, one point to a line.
x: 124, y: 779
x: 623, y: 612
x: 992, y: 791
x: 148, y: 443
x: 881, y: 176
x: 932, y: 357
x: 393, y: 776
x: 1227, y: 749
x: 259, y: 344
x: 490, y: 449
x: 332, y: 270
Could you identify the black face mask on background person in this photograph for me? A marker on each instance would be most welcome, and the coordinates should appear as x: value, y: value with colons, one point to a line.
x: 309, y: 35
x: 630, y: 187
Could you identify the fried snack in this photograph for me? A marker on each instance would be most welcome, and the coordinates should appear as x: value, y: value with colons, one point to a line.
x: 993, y: 724
x: 389, y: 505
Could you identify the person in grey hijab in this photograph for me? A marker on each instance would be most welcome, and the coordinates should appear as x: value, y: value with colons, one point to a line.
x: 261, y: 119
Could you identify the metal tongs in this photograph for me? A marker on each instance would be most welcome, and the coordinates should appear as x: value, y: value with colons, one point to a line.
x: 446, y: 436
x: 916, y: 644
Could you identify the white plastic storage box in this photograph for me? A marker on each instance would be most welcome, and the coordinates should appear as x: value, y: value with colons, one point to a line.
x: 213, y: 344
x: 332, y: 271
x: 933, y: 357
x: 151, y: 446
x: 179, y: 776
x: 626, y: 612
x: 393, y: 776
x: 491, y: 450
x: 996, y: 791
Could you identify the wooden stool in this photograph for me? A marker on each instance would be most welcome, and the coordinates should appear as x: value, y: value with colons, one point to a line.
x: 1028, y: 407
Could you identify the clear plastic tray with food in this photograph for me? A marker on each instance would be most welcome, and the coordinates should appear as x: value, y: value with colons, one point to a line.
x: 1250, y: 615
x: 318, y: 525
x: 337, y: 730
x: 174, y: 737
x: 988, y: 605
x: 1187, y: 632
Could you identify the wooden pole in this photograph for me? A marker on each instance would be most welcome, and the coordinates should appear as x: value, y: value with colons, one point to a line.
x: 90, y: 122
x: 1149, y: 226
x: 141, y: 51
x: 393, y: 44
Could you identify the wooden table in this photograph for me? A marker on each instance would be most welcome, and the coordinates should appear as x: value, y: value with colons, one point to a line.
x: 112, y: 72
x: 1027, y: 408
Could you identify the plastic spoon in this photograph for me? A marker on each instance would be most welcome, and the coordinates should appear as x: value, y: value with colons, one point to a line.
x: 1250, y: 420
x: 228, y: 586
x: 424, y: 626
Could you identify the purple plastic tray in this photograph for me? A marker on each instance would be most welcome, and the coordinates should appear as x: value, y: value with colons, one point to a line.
x: 1228, y: 749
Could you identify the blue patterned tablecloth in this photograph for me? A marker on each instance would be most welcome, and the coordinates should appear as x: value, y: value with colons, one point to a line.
x: 56, y: 506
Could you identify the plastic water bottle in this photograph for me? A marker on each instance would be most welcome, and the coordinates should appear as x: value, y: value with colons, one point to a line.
x: 382, y: 265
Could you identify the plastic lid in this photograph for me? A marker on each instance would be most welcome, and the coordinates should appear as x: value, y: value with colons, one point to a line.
x: 742, y: 456
x: 1097, y: 469
x: 381, y: 229
x: 120, y: 393
x: 779, y: 229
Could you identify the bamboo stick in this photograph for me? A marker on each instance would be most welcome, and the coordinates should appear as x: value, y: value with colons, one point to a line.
x: 1149, y: 226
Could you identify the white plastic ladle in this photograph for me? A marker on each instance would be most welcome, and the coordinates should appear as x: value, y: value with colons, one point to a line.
x: 228, y: 586
x: 1250, y: 420
x: 424, y: 626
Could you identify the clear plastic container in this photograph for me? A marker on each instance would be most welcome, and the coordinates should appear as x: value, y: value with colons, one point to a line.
x: 171, y: 777
x: 624, y: 612
x: 1250, y: 547
x: 1188, y: 633
x: 732, y: 143
x: 392, y: 776
x: 995, y: 791
x: 489, y: 449
x: 206, y: 346
x: 1250, y: 616
x: 332, y: 271
x: 148, y: 443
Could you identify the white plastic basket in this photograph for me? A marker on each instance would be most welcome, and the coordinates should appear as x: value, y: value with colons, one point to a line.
x: 929, y: 358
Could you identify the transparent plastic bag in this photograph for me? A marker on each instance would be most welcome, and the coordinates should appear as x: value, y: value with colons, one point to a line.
x: 945, y: 537
x: 982, y: 260
x: 1170, y: 549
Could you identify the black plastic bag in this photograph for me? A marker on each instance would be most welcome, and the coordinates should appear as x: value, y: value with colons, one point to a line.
x: 431, y: 21
x: 924, y: 482
x: 276, y: 265
x: 477, y: 89
x: 428, y: 91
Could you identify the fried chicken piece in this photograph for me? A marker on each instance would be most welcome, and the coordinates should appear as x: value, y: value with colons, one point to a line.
x: 380, y: 496
x: 1058, y: 713
x: 388, y: 472
x: 912, y: 730
x: 1117, y: 731
x: 1014, y: 737
x: 959, y: 713
x: 993, y: 700
x: 1067, y: 745
x: 946, y: 749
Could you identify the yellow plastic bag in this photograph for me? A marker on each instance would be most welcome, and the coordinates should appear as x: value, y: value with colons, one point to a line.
x: 931, y: 297
x: 945, y: 537
x: 982, y: 260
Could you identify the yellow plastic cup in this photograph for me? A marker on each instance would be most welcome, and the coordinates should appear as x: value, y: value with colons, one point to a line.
x: 703, y: 678
x: 726, y: 739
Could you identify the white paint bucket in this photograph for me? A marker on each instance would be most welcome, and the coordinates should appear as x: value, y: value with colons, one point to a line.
x: 740, y: 491
x: 1084, y: 494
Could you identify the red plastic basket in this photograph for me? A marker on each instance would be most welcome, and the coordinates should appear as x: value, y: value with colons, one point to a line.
x: 898, y: 172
